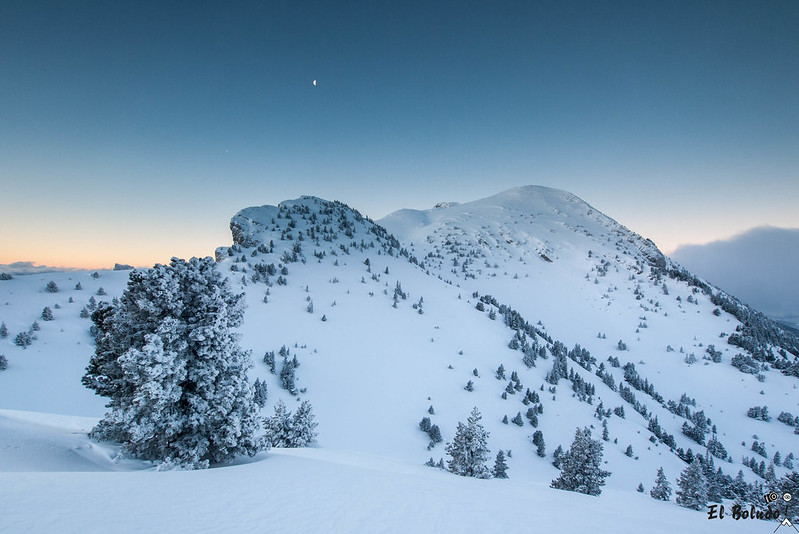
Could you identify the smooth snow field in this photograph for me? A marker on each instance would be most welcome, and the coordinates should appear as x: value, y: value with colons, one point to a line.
x: 54, y: 480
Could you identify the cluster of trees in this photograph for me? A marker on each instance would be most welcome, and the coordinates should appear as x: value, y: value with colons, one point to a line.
x: 701, y: 483
x: 697, y: 426
x: 632, y: 377
x: 431, y: 429
x: 745, y: 364
x: 286, y: 430
x: 759, y: 412
x: 25, y: 338
x: 757, y: 333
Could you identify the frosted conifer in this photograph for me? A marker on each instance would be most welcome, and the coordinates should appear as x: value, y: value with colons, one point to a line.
x: 278, y: 427
x: 260, y: 392
x: 661, y: 490
x: 167, y: 358
x: 285, y: 430
x: 692, y: 492
x: 500, y: 467
x: 469, y: 449
x: 304, y: 426
x: 287, y: 376
x: 435, y: 434
x: 580, y: 466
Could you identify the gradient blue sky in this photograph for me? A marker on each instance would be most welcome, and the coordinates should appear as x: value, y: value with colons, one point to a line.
x: 133, y: 131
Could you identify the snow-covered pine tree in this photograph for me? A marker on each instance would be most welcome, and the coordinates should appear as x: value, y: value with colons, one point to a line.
x: 278, y: 426
x: 538, y: 441
x: 168, y: 360
x: 304, y: 426
x: 770, y: 475
x: 580, y: 466
x: 288, y: 376
x: 259, y: 392
x: 3, y: 331
x: 790, y: 484
x: 500, y: 374
x: 269, y: 360
x: 500, y: 467
x: 661, y: 490
x: 556, y: 456
x: 3, y: 362
x: 435, y: 434
x: 788, y: 462
x: 424, y: 424
x: 469, y: 449
x: 285, y: 430
x: 692, y: 484
x: 47, y: 314
x: 23, y: 339
x: 517, y: 419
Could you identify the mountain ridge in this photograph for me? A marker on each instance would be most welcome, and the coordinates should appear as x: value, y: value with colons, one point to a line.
x: 467, y: 312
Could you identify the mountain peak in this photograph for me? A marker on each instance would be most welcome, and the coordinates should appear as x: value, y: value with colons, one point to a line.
x: 516, y: 223
x: 305, y: 221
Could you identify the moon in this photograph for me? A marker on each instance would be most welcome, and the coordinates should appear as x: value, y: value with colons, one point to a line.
x: 314, y: 82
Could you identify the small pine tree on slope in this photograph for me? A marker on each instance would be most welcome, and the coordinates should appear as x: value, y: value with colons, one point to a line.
x: 304, y: 425
x: 469, y: 449
x: 661, y: 490
x: 580, y: 466
x: 167, y: 358
x: 500, y: 467
x: 278, y: 427
x: 692, y: 492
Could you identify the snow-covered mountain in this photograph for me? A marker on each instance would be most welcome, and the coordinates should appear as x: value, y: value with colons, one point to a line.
x: 417, y: 317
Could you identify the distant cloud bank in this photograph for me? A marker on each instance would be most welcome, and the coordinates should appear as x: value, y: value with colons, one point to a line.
x: 758, y: 266
x: 29, y: 267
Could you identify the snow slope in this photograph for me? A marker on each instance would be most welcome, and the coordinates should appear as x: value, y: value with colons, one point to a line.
x: 372, y: 365
x: 314, y: 490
